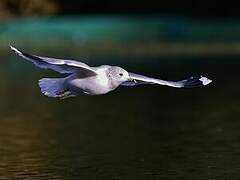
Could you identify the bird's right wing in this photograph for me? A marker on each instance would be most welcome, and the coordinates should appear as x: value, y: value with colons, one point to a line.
x: 137, y: 79
x: 59, y: 65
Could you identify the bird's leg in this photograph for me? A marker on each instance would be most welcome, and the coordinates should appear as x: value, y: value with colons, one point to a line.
x: 63, y: 94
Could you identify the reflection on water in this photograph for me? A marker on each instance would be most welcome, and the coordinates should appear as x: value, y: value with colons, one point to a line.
x: 147, y: 132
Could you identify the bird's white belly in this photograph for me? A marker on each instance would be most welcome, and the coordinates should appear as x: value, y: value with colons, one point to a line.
x: 102, y: 80
x: 91, y: 85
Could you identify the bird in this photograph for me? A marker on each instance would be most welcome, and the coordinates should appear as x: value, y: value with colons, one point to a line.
x: 82, y: 79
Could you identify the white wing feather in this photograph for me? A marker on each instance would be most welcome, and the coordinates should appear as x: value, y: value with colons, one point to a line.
x: 59, y: 65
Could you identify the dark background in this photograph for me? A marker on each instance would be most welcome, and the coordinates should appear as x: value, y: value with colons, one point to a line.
x: 171, y: 7
x: 144, y: 132
x: 199, y: 9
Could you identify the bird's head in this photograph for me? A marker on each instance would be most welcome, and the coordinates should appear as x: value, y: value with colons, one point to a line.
x: 118, y: 74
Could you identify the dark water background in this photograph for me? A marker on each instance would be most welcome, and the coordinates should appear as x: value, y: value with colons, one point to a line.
x: 146, y: 132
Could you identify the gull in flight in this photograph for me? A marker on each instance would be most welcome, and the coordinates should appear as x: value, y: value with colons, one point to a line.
x: 84, y: 79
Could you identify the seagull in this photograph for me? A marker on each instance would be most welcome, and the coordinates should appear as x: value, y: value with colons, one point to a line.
x: 82, y: 79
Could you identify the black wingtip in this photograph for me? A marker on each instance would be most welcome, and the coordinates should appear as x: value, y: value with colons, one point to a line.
x: 15, y: 50
x: 23, y: 54
x: 12, y: 48
x: 196, y: 82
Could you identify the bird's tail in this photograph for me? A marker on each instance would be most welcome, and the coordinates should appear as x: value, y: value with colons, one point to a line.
x: 54, y: 87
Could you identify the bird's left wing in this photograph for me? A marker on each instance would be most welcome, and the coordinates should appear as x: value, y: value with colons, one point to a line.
x: 137, y: 79
x: 59, y: 65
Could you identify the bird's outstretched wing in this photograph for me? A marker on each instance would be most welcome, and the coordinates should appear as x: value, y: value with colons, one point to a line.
x: 59, y: 65
x: 137, y: 79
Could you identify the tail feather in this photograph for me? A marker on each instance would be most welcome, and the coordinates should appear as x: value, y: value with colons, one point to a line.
x: 53, y: 87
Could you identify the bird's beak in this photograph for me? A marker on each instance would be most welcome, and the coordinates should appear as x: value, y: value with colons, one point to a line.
x: 131, y: 79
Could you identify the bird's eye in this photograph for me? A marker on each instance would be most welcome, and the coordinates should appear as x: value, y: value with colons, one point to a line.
x: 120, y: 74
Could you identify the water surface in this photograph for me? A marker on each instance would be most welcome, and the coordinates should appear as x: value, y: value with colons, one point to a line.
x: 147, y: 132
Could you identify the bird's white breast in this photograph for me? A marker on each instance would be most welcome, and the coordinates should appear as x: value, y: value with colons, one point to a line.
x: 102, y: 78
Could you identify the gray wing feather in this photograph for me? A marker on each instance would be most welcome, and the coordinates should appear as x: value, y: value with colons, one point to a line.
x: 187, y: 83
x: 59, y: 65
